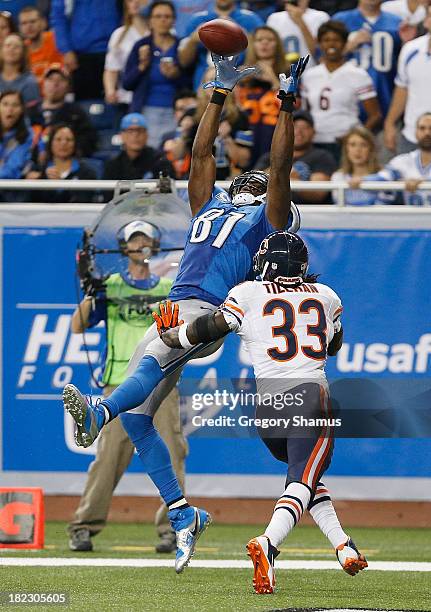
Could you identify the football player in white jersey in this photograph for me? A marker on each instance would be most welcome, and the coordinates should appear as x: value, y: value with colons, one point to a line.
x: 289, y: 324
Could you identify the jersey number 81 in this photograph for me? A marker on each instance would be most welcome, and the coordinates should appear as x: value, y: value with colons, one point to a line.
x: 202, y: 226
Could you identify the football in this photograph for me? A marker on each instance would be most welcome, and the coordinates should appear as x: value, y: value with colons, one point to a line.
x: 223, y: 37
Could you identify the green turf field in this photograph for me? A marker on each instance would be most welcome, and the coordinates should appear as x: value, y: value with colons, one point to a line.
x: 198, y: 589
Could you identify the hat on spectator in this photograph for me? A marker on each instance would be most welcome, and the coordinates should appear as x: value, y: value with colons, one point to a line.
x: 56, y: 67
x: 140, y: 227
x: 304, y: 115
x: 133, y: 120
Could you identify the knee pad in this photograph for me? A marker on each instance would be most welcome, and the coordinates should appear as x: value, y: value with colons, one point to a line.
x: 137, y: 426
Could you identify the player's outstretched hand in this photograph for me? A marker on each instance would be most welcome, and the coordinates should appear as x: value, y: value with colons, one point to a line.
x: 168, y: 317
x: 290, y: 84
x: 227, y: 74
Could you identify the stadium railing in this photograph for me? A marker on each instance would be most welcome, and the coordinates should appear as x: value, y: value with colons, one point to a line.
x: 103, y: 185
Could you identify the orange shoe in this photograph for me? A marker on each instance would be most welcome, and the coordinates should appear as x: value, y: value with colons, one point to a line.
x: 350, y: 558
x: 263, y: 553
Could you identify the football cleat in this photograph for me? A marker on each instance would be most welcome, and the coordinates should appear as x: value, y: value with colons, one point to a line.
x: 89, y: 419
x: 189, y: 524
x: 350, y: 558
x: 263, y: 554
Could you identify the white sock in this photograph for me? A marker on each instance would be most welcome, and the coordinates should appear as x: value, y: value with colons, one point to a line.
x: 287, y: 512
x: 107, y: 414
x: 323, y: 513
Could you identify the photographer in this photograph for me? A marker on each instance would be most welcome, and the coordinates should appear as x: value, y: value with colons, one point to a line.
x: 124, y: 303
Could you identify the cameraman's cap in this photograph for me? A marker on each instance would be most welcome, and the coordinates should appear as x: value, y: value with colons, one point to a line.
x: 304, y: 115
x: 56, y: 67
x: 140, y: 227
x: 133, y: 120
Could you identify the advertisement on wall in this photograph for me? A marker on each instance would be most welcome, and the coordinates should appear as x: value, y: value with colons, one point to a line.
x: 381, y: 276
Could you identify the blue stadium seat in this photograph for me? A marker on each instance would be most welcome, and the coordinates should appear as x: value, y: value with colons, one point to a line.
x: 109, y: 144
x: 102, y: 116
x: 95, y: 164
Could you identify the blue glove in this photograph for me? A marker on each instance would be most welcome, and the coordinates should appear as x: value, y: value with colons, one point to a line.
x: 226, y: 74
x: 290, y: 85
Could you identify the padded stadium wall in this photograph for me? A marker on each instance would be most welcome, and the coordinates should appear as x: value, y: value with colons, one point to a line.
x: 376, y: 259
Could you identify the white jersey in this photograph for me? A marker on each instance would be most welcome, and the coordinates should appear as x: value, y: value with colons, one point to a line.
x: 118, y: 53
x: 286, y: 330
x: 400, y: 8
x: 404, y: 167
x: 333, y: 98
x: 290, y: 33
x: 414, y: 74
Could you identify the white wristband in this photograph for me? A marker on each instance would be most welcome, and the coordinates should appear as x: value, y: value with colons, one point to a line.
x: 182, y: 337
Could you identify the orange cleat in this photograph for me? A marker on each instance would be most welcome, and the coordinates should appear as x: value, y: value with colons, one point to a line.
x: 263, y: 553
x: 350, y: 558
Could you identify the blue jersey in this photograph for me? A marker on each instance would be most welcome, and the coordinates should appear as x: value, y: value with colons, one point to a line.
x: 378, y: 57
x: 219, y: 249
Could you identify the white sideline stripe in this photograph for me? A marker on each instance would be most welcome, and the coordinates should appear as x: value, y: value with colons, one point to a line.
x: 38, y: 396
x: 386, y: 566
x: 51, y: 306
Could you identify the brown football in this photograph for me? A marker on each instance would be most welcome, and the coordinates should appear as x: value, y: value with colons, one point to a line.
x: 223, y: 37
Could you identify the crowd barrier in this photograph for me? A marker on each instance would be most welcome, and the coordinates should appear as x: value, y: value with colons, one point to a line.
x: 338, y: 187
x: 377, y: 259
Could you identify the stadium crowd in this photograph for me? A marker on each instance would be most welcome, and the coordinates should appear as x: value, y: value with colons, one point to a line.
x: 110, y: 89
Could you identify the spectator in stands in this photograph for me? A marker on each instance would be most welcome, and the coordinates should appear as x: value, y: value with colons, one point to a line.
x: 412, y: 12
x: 7, y: 25
x: 63, y: 163
x: 411, y: 95
x: 413, y: 167
x: 258, y: 94
x: 309, y: 162
x: 374, y: 42
x: 178, y: 148
x: 333, y: 6
x: 193, y: 53
x: 334, y: 89
x: 358, y: 159
x: 177, y: 144
x: 13, y: 7
x: 119, y: 47
x: 137, y: 160
x: 153, y: 73
x: 41, y: 46
x: 14, y: 72
x: 82, y: 31
x: 55, y: 109
x: 234, y: 142
x: 184, y: 100
x: 16, y: 137
x: 262, y: 8
x: 186, y: 9
x: 297, y: 27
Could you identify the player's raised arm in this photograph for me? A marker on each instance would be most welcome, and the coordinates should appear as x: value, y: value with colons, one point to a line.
x: 203, y: 167
x: 281, y: 156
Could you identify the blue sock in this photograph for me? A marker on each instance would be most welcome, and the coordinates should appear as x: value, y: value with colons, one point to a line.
x: 136, y: 388
x: 154, y: 454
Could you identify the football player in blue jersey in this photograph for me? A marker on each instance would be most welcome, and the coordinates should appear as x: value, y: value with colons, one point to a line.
x: 375, y: 44
x: 225, y: 232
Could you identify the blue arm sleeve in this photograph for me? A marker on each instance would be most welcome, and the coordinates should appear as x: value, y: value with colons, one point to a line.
x: 61, y: 25
x: 132, y: 75
x: 16, y: 160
